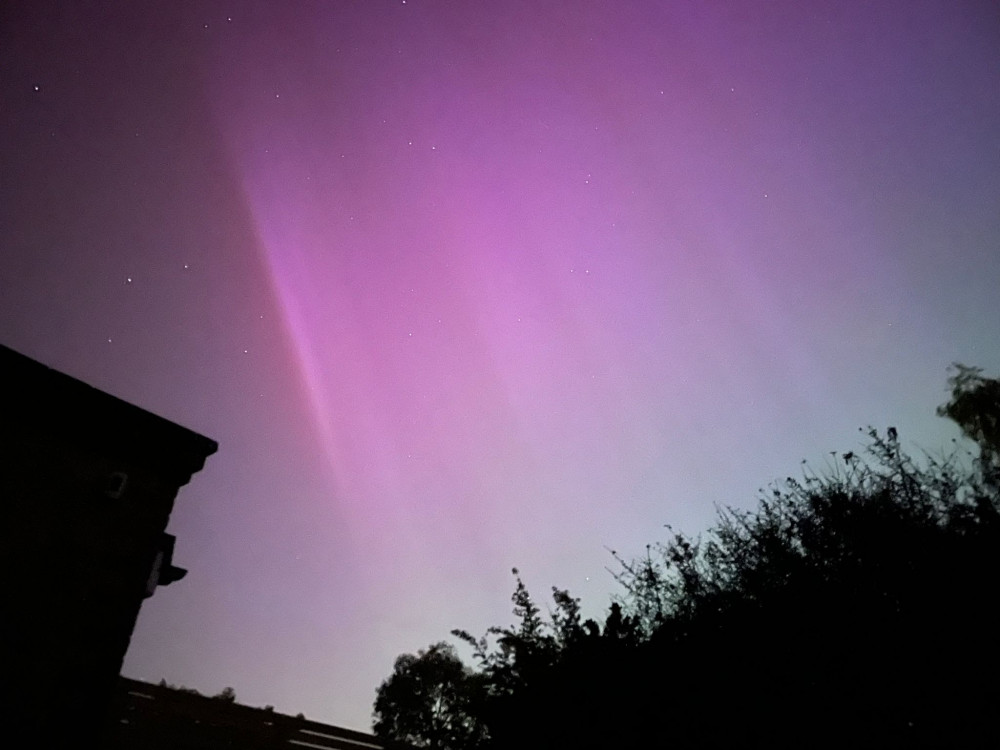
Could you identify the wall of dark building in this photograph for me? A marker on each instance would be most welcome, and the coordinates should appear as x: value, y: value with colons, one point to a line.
x: 87, y: 484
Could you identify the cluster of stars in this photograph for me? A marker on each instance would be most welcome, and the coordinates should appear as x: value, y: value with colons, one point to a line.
x: 229, y: 19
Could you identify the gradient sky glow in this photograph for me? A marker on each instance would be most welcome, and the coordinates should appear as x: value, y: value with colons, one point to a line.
x: 462, y: 286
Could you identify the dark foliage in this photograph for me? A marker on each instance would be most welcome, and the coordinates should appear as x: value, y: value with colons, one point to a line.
x: 975, y: 407
x: 181, y: 688
x: 853, y: 608
x: 431, y: 700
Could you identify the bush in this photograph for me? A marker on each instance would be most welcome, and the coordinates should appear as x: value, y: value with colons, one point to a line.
x: 849, y: 608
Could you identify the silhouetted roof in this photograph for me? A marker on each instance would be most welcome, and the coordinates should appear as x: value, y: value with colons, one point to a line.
x: 38, y: 400
x: 150, y: 717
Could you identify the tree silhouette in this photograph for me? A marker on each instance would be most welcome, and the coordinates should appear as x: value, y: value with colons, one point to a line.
x: 430, y: 701
x: 975, y: 407
x: 853, y: 607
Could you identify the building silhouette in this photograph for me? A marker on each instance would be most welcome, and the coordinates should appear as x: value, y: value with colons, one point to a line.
x: 87, y: 484
x: 160, y: 717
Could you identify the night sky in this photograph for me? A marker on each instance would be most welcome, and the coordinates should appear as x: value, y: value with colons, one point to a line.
x: 460, y: 286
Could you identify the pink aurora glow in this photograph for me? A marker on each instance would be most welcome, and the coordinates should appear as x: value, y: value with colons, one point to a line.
x: 462, y: 286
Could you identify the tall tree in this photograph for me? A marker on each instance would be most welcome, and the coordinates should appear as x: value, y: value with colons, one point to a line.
x: 430, y: 701
x: 975, y: 407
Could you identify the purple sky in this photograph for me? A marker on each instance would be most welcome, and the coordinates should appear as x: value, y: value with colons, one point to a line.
x: 462, y: 286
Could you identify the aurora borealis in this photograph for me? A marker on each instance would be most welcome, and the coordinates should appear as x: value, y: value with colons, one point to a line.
x: 462, y: 286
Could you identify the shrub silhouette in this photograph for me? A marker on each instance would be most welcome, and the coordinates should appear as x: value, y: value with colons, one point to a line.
x: 850, y: 608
